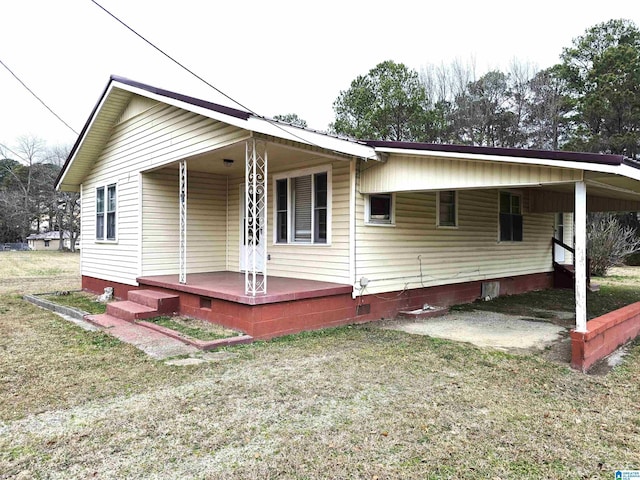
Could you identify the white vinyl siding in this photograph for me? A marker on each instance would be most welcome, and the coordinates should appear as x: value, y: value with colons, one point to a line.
x: 323, y: 262
x: 405, y: 173
x: 416, y: 253
x: 206, y: 220
x: 156, y: 136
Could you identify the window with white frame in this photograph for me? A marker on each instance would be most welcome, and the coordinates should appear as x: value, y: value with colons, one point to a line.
x: 510, y: 217
x: 447, y: 208
x: 106, y: 206
x: 302, y: 213
x: 379, y: 209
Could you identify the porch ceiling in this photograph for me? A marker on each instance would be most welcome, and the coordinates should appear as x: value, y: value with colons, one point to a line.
x: 278, y: 154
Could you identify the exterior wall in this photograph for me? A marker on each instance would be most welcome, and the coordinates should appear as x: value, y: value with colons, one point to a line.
x: 328, y: 263
x: 206, y: 222
x: 415, y: 253
x: 150, y: 136
x: 40, y: 245
x: 269, y: 320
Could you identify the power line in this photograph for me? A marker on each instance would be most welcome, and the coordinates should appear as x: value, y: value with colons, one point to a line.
x: 36, y: 96
x: 158, y: 49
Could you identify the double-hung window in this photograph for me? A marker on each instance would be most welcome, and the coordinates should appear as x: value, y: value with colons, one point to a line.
x: 510, y: 217
x: 302, y: 208
x: 106, y: 206
x: 447, y: 208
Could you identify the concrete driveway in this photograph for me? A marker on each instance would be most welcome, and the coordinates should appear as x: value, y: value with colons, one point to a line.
x: 486, y: 329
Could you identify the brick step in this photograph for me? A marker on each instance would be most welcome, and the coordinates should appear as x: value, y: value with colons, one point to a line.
x: 130, y: 311
x: 160, y: 301
x: 421, y: 314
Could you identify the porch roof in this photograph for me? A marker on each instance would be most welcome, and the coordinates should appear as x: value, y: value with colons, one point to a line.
x: 423, y: 167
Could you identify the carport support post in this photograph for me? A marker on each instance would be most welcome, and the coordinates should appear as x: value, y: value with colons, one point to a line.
x: 580, y: 216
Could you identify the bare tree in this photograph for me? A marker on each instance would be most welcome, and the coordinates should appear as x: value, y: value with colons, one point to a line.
x: 18, y: 199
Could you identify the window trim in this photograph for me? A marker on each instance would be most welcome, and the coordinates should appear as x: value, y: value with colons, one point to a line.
x: 511, y: 195
x: 455, y: 210
x: 290, y: 224
x: 105, y: 192
x: 378, y: 222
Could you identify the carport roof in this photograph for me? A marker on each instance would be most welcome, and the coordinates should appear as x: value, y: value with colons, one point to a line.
x: 604, y: 159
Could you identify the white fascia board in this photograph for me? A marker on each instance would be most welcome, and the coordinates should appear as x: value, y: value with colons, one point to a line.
x: 88, y: 128
x: 265, y: 127
x: 594, y: 167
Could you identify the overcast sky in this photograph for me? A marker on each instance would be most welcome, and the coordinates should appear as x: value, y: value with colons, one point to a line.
x: 275, y: 57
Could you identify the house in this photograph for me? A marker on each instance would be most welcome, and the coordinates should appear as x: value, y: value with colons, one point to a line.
x: 47, y: 240
x: 271, y: 229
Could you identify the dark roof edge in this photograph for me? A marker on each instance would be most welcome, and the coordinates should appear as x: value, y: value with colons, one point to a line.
x: 81, y: 135
x: 216, y: 107
x: 241, y: 114
x: 600, y: 158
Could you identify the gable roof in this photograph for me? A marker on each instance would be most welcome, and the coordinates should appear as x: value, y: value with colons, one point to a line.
x: 118, y: 93
x: 120, y: 90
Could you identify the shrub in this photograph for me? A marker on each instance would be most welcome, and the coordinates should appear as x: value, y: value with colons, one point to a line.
x: 608, y: 242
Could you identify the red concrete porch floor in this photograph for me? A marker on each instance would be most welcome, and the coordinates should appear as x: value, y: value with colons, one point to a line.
x: 230, y: 286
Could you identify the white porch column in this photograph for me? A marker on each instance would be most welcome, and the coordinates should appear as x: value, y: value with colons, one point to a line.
x: 255, y: 225
x: 580, y: 216
x: 183, y: 222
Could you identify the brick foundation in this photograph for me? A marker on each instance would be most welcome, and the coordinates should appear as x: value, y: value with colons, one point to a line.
x: 604, y: 335
x: 269, y: 320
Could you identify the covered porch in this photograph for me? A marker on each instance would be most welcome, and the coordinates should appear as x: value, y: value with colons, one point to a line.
x: 292, y: 305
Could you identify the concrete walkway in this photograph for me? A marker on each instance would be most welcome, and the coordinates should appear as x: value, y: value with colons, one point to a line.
x: 485, y: 329
x: 152, y: 343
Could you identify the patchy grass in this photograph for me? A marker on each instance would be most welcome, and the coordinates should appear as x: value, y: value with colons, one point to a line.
x: 23, y: 272
x: 81, y: 300
x: 615, y: 292
x: 194, y: 328
x: 351, y: 402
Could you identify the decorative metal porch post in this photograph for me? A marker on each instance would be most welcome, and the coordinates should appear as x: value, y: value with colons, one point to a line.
x: 183, y: 222
x: 255, y: 274
x: 580, y: 216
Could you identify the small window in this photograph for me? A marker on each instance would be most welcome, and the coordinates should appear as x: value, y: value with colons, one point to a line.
x: 447, y: 208
x: 46, y: 243
x: 510, y: 217
x: 379, y: 209
x: 301, y: 208
x: 106, y: 206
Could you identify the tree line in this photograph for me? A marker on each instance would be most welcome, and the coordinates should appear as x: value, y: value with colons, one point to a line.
x: 28, y: 199
x: 589, y: 101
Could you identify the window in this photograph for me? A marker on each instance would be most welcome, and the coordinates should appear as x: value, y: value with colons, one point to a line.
x: 301, y: 208
x: 46, y: 243
x: 379, y: 209
x: 510, y: 217
x: 447, y: 208
x: 106, y: 212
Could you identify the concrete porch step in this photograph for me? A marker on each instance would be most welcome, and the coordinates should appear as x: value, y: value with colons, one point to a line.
x: 160, y: 301
x: 422, y: 314
x: 130, y: 311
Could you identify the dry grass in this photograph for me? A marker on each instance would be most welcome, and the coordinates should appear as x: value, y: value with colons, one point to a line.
x: 39, y: 271
x: 355, y: 402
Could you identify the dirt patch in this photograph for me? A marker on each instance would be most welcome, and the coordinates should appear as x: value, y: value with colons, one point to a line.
x: 486, y: 329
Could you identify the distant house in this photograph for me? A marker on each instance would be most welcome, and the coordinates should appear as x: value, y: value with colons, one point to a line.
x: 271, y: 228
x: 46, y: 241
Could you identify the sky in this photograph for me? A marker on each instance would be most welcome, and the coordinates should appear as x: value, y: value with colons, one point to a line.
x: 274, y: 57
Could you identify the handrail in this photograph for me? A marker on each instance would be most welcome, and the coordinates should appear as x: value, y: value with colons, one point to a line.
x: 563, y: 245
